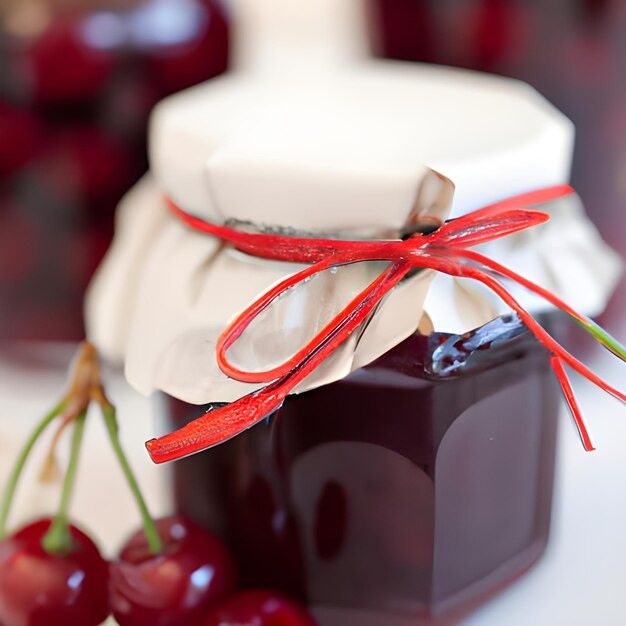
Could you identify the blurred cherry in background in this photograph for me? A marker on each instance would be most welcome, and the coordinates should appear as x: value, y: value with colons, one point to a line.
x: 77, y: 81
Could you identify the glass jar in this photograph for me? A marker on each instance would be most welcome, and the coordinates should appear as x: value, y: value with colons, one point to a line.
x: 407, y: 493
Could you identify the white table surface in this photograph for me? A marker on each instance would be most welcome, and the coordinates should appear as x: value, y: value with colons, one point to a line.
x: 581, y: 580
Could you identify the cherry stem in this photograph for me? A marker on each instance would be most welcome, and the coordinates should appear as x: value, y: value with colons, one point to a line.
x: 540, y: 333
x: 601, y: 335
x: 58, y: 539
x: 9, y: 491
x: 155, y: 544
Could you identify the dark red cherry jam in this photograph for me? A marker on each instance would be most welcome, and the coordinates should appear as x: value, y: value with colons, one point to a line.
x: 405, y: 494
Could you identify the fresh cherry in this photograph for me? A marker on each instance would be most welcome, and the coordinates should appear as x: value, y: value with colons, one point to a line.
x: 174, y: 586
x: 40, y: 589
x: 258, y: 608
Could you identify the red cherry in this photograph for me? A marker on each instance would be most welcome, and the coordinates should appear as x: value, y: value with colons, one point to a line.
x: 258, y: 608
x: 40, y: 589
x: 64, y: 67
x: 21, y: 138
x: 175, y: 586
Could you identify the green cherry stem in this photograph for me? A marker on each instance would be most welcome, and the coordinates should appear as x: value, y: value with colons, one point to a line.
x: 11, y: 485
x: 594, y: 329
x: 58, y: 539
x: 152, y: 535
x: 601, y: 335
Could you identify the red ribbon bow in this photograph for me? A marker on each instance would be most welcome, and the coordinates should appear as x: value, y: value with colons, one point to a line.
x: 444, y: 250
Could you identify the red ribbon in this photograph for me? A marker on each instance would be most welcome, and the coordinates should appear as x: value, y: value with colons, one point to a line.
x: 444, y: 250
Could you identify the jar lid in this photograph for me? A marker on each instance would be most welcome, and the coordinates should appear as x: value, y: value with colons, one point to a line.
x: 346, y: 151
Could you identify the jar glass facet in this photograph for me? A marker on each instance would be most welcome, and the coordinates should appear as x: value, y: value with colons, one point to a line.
x: 408, y: 492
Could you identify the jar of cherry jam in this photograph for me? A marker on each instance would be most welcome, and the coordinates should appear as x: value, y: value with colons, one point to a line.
x: 407, y: 475
x: 407, y: 493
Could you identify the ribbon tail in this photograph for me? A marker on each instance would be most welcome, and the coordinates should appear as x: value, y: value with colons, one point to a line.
x: 568, y: 392
x: 225, y: 422
x: 594, y: 329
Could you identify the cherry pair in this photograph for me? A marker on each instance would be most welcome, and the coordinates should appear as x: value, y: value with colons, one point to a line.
x: 169, y: 573
x: 179, y: 585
